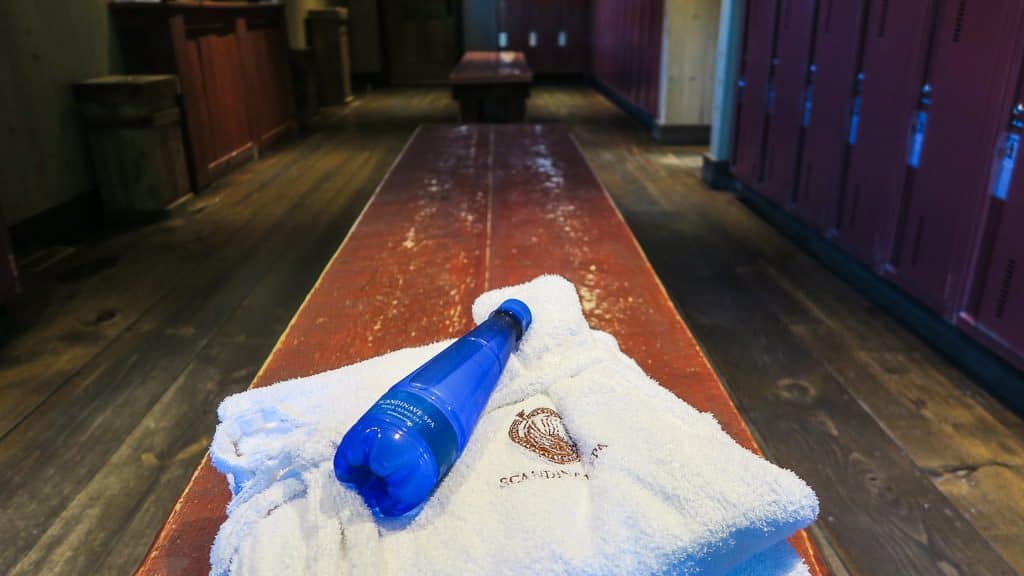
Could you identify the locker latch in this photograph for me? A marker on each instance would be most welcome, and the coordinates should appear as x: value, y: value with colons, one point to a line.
x: 809, y: 96
x: 1007, y: 159
x: 855, y: 109
x: 919, y: 128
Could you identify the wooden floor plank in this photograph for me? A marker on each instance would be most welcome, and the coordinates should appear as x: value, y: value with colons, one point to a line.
x: 877, y: 507
x: 96, y: 295
x: 225, y: 364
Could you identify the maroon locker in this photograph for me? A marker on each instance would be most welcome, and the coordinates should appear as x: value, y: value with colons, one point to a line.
x: 753, y: 90
x: 996, y: 306
x: 512, y: 25
x: 543, y: 21
x: 573, y: 37
x: 838, y: 35
x: 972, y: 52
x: 893, y: 63
x: 792, y: 69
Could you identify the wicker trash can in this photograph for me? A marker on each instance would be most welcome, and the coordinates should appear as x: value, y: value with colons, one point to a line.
x: 135, y: 135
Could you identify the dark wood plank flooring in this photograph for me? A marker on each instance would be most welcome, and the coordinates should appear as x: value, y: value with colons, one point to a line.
x: 114, y: 361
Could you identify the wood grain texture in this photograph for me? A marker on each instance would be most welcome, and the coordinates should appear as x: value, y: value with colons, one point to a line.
x: 439, y: 229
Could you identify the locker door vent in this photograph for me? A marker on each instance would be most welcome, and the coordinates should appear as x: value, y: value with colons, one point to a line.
x: 961, y: 12
x: 1004, y: 289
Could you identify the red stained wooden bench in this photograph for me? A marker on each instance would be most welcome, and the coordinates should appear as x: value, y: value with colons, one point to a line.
x: 463, y: 210
x: 491, y: 86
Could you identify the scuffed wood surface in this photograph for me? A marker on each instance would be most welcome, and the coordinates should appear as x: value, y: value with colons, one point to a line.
x: 463, y: 210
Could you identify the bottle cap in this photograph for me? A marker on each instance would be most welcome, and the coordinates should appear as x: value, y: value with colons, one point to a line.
x: 518, y: 310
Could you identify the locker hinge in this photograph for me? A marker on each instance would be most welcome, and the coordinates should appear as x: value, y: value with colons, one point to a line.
x: 809, y: 96
x: 919, y: 128
x: 855, y: 109
x: 1007, y: 158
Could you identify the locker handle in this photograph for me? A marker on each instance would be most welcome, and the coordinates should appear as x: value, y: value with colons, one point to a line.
x: 919, y: 128
x: 809, y: 96
x: 532, y: 39
x: 563, y: 39
x: 1007, y: 157
x: 855, y: 109
x: 502, y: 39
x: 1007, y: 162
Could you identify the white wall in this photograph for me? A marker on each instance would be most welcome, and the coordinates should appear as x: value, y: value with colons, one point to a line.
x: 46, y: 46
x: 688, y: 62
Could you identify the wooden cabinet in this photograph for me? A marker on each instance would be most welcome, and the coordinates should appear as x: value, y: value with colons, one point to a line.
x: 232, y: 62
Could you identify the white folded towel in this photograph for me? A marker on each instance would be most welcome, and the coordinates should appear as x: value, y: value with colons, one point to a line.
x: 624, y: 479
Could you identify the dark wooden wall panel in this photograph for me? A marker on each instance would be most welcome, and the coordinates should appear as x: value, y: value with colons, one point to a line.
x: 221, y: 65
x: 626, y: 49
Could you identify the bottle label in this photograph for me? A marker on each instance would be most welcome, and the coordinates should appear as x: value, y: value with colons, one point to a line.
x: 423, y: 418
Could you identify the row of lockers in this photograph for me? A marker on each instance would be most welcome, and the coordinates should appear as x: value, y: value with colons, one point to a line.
x: 893, y: 128
x: 554, y: 34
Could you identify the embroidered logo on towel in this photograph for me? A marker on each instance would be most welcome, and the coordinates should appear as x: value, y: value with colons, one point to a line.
x: 541, y: 432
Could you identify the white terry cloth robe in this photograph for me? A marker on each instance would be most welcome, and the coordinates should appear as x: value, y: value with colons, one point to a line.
x: 622, y: 477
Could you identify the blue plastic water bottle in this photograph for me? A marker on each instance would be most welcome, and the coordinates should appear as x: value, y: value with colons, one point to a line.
x: 398, y: 452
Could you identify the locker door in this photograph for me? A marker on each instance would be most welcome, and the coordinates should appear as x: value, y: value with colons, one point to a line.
x: 542, y: 25
x: 753, y: 86
x: 512, y: 25
x: 785, y: 120
x: 573, y: 39
x: 836, y: 58
x: 972, y: 52
x: 893, y: 62
x: 999, y: 300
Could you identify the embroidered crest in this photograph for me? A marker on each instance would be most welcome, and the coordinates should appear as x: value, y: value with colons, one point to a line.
x: 541, y: 432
